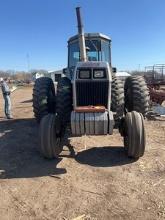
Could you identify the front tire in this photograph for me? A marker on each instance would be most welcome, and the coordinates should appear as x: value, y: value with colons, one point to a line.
x: 134, y: 134
x: 49, y: 137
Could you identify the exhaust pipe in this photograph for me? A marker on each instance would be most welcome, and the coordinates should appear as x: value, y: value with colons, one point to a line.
x: 83, y: 55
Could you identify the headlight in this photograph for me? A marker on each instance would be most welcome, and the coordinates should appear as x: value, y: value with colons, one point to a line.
x: 85, y: 74
x: 99, y: 74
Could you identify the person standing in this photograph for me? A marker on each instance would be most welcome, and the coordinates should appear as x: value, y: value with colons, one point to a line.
x: 6, y: 95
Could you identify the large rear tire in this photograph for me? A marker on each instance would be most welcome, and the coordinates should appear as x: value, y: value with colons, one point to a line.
x: 50, y: 139
x: 64, y: 101
x: 43, y: 97
x: 136, y: 95
x: 117, y: 105
x: 134, y: 134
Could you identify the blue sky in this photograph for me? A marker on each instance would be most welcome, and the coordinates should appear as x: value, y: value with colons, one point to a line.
x: 41, y: 28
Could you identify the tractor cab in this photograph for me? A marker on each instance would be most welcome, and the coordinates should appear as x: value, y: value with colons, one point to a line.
x: 97, y: 45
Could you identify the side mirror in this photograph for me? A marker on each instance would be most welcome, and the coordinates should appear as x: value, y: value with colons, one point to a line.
x: 64, y: 71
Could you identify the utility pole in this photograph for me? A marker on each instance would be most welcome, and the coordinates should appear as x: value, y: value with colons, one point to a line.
x: 28, y: 62
x: 139, y: 67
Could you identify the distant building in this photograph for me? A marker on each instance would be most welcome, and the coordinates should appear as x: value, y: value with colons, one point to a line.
x: 54, y: 75
x: 122, y: 75
x: 36, y: 75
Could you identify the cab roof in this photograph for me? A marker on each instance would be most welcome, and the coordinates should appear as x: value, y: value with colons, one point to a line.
x: 90, y: 35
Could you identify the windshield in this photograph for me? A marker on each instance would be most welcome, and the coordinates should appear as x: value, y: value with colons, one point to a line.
x: 93, y: 47
x: 97, y: 50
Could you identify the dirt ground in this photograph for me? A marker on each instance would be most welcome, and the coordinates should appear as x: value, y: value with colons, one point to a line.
x: 99, y: 183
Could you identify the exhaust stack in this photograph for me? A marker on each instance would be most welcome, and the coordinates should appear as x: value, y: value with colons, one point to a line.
x: 83, y: 55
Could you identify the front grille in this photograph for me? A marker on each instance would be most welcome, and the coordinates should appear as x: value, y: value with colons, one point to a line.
x: 92, y: 93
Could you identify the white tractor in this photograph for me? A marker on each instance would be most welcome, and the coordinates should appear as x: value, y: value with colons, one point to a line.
x: 90, y: 99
